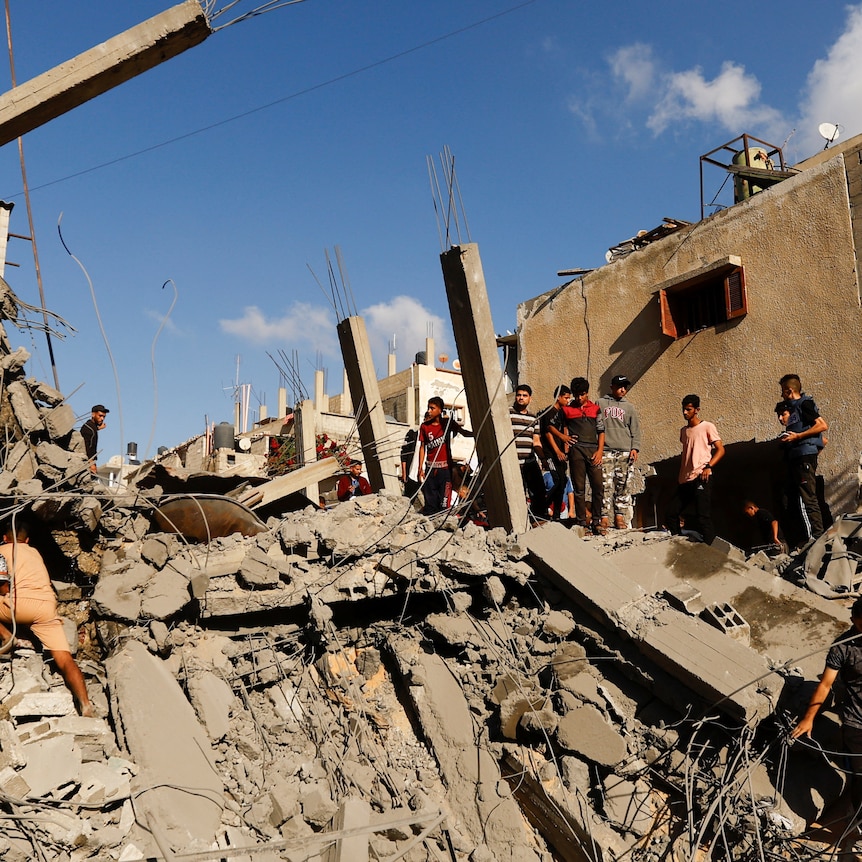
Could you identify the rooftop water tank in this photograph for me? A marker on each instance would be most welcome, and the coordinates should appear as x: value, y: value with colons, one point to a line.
x: 223, y: 436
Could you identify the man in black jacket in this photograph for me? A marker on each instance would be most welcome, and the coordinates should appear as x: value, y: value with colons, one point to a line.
x: 90, y: 432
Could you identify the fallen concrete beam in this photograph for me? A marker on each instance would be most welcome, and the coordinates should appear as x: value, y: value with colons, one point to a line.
x: 476, y: 796
x: 722, y: 672
x: 102, y: 68
x: 178, y: 785
x: 297, y: 480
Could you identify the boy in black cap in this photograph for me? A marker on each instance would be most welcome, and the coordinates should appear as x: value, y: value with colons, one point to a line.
x: 622, y: 444
x: 90, y: 432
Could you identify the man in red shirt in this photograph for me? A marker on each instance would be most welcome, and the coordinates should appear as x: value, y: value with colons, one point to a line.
x: 586, y: 437
x: 352, y: 484
x: 435, y: 458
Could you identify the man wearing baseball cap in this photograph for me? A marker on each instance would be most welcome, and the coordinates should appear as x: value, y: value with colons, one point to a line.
x: 622, y: 444
x: 90, y: 432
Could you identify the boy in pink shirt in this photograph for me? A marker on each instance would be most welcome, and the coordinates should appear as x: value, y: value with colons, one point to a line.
x: 702, y: 449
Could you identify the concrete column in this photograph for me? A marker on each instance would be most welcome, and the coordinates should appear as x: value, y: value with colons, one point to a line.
x: 368, y: 409
x: 390, y: 365
x: 98, y: 70
x: 282, y: 402
x: 321, y: 402
x: 430, y: 358
x: 306, y: 449
x: 411, y: 406
x: 476, y: 341
x: 5, y: 211
x: 346, y: 402
x: 262, y: 413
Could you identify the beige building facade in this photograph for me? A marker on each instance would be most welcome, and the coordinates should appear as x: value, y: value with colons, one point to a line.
x: 723, y: 308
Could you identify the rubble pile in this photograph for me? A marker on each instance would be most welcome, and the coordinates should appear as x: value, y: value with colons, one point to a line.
x: 365, y: 682
x: 367, y: 672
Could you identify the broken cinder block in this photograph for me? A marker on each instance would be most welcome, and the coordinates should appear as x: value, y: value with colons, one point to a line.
x: 726, y: 618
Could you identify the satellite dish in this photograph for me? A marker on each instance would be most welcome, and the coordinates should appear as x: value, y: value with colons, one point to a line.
x: 456, y: 364
x: 244, y: 444
x: 830, y: 132
x: 443, y: 358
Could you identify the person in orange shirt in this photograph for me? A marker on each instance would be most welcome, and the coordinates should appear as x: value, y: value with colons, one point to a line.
x: 26, y: 591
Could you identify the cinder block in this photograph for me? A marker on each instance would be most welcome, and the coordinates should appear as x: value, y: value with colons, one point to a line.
x: 686, y: 598
x: 13, y: 784
x: 727, y: 619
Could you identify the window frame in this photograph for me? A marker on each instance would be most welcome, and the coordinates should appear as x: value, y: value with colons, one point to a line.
x: 672, y: 294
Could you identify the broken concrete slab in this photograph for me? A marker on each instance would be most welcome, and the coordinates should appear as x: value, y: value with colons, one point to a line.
x: 170, y: 747
x: 588, y: 733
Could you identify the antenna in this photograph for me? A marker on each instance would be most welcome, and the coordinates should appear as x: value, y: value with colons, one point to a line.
x: 830, y: 132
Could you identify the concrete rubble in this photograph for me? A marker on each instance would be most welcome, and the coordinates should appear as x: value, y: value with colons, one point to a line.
x: 367, y: 683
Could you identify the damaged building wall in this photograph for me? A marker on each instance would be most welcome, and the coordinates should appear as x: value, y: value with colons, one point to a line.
x: 796, y: 247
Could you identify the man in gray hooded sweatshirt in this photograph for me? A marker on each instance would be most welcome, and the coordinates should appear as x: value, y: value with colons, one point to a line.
x: 622, y: 444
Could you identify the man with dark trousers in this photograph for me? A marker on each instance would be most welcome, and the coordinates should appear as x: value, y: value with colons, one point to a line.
x: 802, y: 441
x: 90, y: 432
x: 702, y: 449
x: 528, y: 445
x: 435, y: 457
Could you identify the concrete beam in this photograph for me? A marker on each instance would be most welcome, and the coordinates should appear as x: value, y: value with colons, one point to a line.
x: 102, y: 68
x: 295, y: 480
x: 368, y: 408
x: 721, y: 672
x: 484, y: 385
x: 306, y: 442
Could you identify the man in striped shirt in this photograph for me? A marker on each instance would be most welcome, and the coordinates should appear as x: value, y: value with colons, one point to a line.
x: 528, y: 445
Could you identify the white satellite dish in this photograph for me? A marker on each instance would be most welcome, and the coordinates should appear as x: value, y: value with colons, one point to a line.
x: 456, y: 364
x: 244, y: 444
x: 830, y: 132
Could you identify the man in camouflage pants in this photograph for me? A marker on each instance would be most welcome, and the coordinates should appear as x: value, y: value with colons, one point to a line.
x: 622, y: 444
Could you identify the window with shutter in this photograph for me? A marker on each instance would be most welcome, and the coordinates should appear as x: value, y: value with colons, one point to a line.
x: 713, y: 295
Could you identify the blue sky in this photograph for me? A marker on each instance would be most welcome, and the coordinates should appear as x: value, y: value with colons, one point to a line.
x: 573, y: 126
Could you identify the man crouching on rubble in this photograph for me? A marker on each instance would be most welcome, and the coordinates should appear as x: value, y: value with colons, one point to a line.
x: 844, y: 659
x: 35, y: 605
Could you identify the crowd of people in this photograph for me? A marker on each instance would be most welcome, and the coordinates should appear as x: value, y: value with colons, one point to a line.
x: 577, y: 458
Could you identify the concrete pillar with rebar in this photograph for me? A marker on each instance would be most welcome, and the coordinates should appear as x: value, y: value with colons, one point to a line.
x: 368, y: 409
x: 484, y: 386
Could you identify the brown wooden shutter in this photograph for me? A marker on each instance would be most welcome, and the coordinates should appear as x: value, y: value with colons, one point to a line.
x: 668, y: 327
x: 735, y: 297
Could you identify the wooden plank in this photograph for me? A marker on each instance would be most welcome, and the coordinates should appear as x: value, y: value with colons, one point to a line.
x: 100, y: 69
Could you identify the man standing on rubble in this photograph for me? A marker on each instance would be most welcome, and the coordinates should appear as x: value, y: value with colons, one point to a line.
x: 702, y: 449
x: 435, y: 457
x: 844, y: 659
x: 528, y: 446
x: 26, y: 592
x: 90, y: 432
x: 802, y: 441
x: 622, y: 444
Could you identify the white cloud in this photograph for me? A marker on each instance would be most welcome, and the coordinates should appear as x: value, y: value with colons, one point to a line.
x: 634, y: 66
x: 407, y: 319
x: 731, y: 99
x: 308, y: 327
x: 304, y: 325
x: 834, y: 87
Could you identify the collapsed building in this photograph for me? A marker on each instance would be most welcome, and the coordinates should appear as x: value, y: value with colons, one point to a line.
x: 368, y: 683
